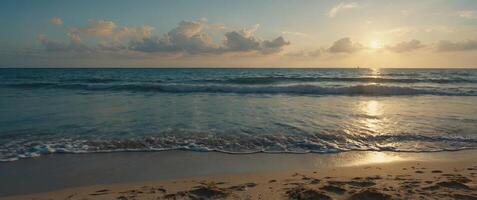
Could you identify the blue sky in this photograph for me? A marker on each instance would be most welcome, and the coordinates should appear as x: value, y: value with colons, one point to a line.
x: 239, y: 33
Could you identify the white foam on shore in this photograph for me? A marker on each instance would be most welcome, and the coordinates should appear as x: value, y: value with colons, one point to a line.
x: 22, y: 149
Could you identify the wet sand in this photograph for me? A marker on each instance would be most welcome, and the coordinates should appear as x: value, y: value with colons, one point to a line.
x: 193, y: 175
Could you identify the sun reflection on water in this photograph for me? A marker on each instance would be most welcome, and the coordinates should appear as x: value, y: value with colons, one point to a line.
x: 376, y: 157
x: 372, y: 108
x: 372, y: 121
x: 375, y: 72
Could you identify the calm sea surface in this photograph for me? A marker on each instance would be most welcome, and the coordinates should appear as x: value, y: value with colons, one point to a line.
x: 45, y: 111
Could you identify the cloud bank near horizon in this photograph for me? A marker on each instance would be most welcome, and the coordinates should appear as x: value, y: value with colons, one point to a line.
x: 192, y: 37
x: 189, y: 37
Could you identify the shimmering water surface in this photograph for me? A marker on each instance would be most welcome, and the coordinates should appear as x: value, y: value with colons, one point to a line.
x: 46, y: 111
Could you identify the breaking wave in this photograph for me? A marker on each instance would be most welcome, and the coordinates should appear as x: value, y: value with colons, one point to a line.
x: 279, y: 79
x: 22, y: 148
x: 365, y: 89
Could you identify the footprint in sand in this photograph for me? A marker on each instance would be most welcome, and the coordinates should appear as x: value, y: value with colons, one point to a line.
x: 304, y: 193
x: 333, y: 189
x: 370, y: 195
x: 453, y: 185
x: 100, y: 192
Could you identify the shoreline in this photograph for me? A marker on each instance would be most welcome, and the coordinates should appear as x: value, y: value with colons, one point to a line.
x: 236, y: 153
x: 70, y: 172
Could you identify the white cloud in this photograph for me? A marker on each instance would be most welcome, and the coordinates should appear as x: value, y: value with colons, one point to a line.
x: 345, y: 45
x: 213, y: 26
x: 101, y: 28
x: 467, y: 45
x: 244, y: 40
x: 248, y: 32
x: 132, y: 32
x: 240, y: 41
x: 109, y: 29
x: 406, y: 46
x: 56, y: 21
x: 75, y: 44
x: 341, y: 7
x: 190, y: 37
x: 186, y: 37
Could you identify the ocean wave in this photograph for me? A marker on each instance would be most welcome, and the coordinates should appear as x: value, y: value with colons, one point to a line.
x: 368, y: 89
x: 279, y: 79
x: 21, y: 148
x: 263, y: 80
x: 89, y: 80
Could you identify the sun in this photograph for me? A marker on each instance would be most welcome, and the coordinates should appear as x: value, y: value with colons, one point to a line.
x: 375, y: 44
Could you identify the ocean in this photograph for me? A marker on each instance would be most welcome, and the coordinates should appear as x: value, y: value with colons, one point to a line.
x: 48, y: 111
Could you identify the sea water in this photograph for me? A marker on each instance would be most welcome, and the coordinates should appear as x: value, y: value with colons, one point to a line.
x: 45, y: 111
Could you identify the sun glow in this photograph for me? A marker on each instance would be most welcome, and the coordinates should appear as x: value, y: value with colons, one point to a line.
x: 375, y: 44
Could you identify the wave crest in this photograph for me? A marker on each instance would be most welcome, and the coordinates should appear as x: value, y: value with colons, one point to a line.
x: 279, y: 79
x: 20, y: 148
x: 368, y: 89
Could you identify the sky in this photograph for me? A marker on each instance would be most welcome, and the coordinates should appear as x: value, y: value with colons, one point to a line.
x: 230, y: 33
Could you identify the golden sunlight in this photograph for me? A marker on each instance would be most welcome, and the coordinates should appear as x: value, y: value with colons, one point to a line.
x: 374, y: 72
x: 375, y: 44
x: 372, y: 108
x: 373, y: 122
x: 376, y: 157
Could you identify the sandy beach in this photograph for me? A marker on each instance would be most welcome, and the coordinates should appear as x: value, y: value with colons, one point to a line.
x: 351, y: 175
